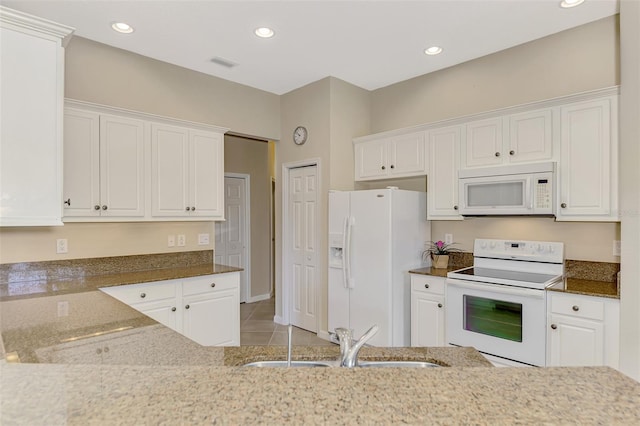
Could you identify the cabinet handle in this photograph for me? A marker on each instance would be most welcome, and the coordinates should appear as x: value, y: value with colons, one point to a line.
x: 575, y: 308
x: 497, y: 154
x: 213, y: 284
x: 106, y: 349
x: 187, y: 307
x: 426, y: 286
x: 383, y: 167
x: 563, y: 205
x: 512, y: 152
x: 143, y: 295
x: 68, y: 202
x: 188, y: 208
x: 392, y: 166
x: 173, y: 309
x: 553, y: 326
x: 96, y: 207
x: 104, y: 207
x: 439, y: 305
x: 193, y: 209
x: 455, y: 207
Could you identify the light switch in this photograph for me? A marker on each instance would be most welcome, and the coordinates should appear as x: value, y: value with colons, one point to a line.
x: 203, y: 239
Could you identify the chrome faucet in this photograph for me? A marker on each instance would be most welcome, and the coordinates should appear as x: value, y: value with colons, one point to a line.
x: 349, y: 349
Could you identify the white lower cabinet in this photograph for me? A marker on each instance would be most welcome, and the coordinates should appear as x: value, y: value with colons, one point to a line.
x: 205, y: 309
x: 427, y: 310
x: 582, y: 330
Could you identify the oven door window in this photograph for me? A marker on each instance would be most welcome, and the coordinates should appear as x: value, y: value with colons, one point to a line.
x: 493, y: 317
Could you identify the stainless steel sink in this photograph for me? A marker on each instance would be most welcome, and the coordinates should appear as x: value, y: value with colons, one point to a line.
x: 396, y: 364
x: 280, y: 364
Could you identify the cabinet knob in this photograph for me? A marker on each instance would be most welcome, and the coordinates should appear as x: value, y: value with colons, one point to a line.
x: 575, y: 308
x: 96, y: 207
x: 512, y: 152
x: 173, y: 309
x: 68, y: 202
x: 99, y: 351
x: 187, y: 307
x: 497, y: 154
x: 188, y: 209
x: 426, y: 286
x: 193, y: 209
x: 439, y: 305
x: 563, y: 205
x: 143, y: 295
x: 455, y: 207
x: 213, y: 284
x: 383, y: 167
x: 392, y: 166
x: 106, y: 349
x: 104, y: 207
x: 553, y: 326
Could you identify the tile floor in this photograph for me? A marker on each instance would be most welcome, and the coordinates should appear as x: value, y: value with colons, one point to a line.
x: 258, y: 329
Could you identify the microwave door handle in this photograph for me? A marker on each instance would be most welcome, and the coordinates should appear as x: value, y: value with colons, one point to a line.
x: 529, y: 194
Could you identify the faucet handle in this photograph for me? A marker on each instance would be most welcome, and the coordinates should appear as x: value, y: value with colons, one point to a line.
x: 369, y: 333
x: 345, y: 339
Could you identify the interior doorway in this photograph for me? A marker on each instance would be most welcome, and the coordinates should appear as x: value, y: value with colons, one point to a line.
x: 301, y: 257
x: 232, y: 236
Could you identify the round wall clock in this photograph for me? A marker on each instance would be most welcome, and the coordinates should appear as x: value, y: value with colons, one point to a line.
x: 300, y: 135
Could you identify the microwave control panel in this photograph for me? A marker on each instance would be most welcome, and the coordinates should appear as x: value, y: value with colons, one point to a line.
x: 543, y: 193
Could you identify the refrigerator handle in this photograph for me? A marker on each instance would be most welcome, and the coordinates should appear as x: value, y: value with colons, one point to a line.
x: 345, y: 230
x: 350, y: 280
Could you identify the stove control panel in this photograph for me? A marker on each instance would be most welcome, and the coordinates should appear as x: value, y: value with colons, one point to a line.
x: 534, y: 251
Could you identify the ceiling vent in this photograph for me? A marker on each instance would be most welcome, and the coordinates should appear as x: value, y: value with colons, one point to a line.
x: 223, y: 62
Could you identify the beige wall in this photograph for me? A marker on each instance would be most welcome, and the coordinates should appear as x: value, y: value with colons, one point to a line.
x: 630, y: 188
x: 576, y: 60
x: 252, y: 157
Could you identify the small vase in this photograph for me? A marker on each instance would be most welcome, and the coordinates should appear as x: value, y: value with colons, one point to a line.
x: 440, y: 261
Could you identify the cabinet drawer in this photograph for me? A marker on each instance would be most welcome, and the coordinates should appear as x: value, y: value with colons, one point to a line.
x: 427, y: 284
x: 209, y: 283
x: 147, y: 292
x: 582, y: 307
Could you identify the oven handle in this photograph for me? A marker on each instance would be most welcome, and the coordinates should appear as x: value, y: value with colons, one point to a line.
x: 500, y: 289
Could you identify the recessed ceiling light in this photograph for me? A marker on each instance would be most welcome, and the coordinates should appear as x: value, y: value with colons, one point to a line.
x: 122, y: 27
x: 264, y: 32
x: 570, y: 3
x: 433, y: 50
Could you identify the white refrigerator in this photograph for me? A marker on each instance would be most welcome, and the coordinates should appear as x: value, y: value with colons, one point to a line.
x: 375, y: 237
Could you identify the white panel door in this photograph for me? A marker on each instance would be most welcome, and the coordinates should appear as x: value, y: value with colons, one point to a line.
x: 121, y: 166
x: 206, y: 177
x: 81, y: 163
x: 212, y: 319
x: 442, y: 181
x: 231, y: 234
x: 169, y: 170
x: 530, y: 137
x: 427, y: 320
x: 483, y: 143
x: 303, y: 244
x: 371, y: 159
x: 575, y: 342
x: 406, y: 154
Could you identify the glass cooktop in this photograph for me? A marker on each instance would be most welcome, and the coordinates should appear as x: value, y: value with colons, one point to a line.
x: 506, y: 277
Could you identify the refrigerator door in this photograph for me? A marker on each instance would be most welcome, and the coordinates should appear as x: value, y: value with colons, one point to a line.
x: 338, y: 292
x: 371, y: 298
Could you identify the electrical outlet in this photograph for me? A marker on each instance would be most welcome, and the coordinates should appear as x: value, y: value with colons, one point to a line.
x: 448, y: 238
x: 203, y: 239
x: 171, y: 241
x: 63, y: 309
x: 182, y: 240
x: 62, y: 246
x: 616, y: 248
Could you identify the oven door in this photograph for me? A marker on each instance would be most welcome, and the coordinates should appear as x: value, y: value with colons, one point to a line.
x: 504, y: 321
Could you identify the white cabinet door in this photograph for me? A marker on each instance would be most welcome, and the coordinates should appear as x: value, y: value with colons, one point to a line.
x: 406, y: 155
x: 164, y: 311
x: 442, y: 181
x: 206, y: 174
x: 575, y: 342
x: 483, y: 143
x: 530, y: 137
x: 169, y: 170
x: 371, y: 159
x: 81, y: 163
x: 427, y: 320
x: 31, y: 95
x: 121, y: 166
x: 213, y: 319
x: 588, y: 166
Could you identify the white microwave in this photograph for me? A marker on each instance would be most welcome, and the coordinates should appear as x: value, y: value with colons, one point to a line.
x: 517, y: 190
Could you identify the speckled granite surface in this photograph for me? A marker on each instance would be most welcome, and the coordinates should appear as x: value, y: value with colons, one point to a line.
x: 39, y: 279
x: 101, y: 394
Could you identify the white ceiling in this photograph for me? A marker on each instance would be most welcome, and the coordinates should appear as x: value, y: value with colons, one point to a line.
x: 371, y: 44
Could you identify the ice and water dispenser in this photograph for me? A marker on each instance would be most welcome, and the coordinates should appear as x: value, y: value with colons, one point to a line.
x: 335, y: 250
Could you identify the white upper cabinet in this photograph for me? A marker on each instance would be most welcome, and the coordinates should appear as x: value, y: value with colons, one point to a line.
x: 129, y: 166
x: 510, y: 139
x: 588, y: 171
x: 31, y: 105
x: 390, y: 157
x: 103, y: 166
x: 186, y: 172
x: 442, y: 182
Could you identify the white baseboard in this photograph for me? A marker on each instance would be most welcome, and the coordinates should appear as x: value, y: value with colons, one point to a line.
x: 259, y: 298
